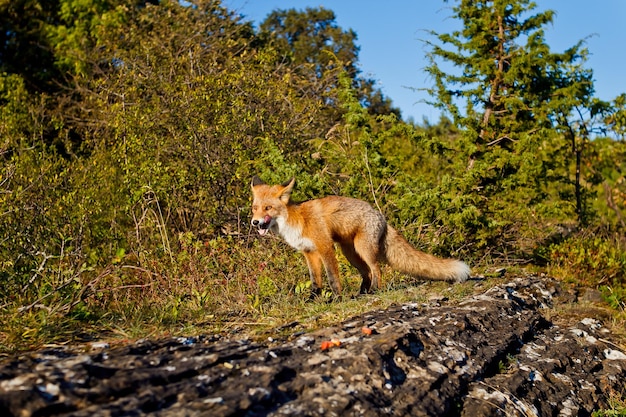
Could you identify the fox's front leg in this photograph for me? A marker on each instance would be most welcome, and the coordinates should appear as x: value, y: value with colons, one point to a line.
x: 332, y: 269
x: 314, y: 262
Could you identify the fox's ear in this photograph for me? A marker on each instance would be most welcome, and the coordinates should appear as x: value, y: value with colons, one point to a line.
x: 288, y: 188
x: 289, y: 183
x: 256, y: 181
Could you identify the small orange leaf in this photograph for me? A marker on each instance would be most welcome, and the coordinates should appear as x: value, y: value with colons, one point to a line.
x: 327, y: 344
x: 367, y: 331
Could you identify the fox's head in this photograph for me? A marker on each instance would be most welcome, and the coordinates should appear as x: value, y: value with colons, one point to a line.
x: 269, y: 203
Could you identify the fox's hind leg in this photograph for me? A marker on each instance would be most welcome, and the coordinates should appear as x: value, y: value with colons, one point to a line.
x: 350, y: 253
x: 363, y: 254
x: 367, y: 250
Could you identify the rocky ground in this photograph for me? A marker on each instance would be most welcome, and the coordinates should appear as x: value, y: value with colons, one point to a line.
x: 497, y: 353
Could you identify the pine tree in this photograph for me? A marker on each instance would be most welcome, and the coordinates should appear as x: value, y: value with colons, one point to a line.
x: 522, y: 109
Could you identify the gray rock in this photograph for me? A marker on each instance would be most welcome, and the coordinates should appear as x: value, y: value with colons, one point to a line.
x: 491, y: 354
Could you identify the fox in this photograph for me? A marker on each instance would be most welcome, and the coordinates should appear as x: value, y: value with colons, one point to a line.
x: 366, y: 239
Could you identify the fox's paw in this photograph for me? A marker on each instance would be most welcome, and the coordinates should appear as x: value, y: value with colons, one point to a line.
x: 314, y: 294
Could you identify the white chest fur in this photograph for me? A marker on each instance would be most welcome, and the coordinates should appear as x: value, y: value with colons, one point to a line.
x: 293, y: 236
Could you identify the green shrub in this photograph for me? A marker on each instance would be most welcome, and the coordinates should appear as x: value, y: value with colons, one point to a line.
x: 591, y: 258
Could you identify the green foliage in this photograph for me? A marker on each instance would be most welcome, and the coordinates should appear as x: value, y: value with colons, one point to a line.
x: 616, y: 116
x: 615, y: 296
x: 591, y: 259
x: 617, y: 407
x: 519, y: 156
x: 129, y: 132
x: 25, y: 49
x: 73, y: 34
x: 312, y: 38
x: 146, y: 166
x: 608, y: 164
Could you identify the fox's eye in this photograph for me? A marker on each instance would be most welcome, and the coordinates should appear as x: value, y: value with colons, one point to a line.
x: 255, y: 208
x: 268, y: 208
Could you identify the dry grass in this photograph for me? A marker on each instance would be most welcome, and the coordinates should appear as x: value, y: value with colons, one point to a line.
x: 235, y: 287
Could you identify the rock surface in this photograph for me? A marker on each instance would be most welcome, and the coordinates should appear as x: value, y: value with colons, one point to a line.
x: 492, y: 354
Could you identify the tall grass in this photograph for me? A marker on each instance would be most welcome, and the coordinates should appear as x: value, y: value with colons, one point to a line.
x: 226, y: 285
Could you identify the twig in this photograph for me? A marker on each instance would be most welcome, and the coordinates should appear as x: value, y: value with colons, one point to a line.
x: 513, y: 400
x: 610, y: 202
x: 40, y: 299
x: 39, y: 269
x: 371, y: 182
x: 500, y: 139
x: 123, y: 287
x: 608, y: 342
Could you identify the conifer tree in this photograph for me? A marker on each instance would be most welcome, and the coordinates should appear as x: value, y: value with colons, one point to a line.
x: 524, y: 110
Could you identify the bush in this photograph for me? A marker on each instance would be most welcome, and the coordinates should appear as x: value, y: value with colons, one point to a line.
x: 593, y: 258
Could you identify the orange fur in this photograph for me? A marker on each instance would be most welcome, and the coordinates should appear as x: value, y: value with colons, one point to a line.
x: 313, y: 227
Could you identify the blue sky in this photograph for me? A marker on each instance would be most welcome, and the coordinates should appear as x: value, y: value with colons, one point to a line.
x: 391, y: 53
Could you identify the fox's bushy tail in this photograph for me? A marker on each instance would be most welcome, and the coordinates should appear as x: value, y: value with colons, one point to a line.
x: 400, y: 255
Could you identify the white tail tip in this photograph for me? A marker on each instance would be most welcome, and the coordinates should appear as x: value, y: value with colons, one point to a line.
x: 462, y: 272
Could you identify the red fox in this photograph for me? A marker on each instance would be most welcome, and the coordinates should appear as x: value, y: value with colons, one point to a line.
x: 362, y: 232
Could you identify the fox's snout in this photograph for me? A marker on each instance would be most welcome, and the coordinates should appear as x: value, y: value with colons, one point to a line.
x: 263, y: 224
